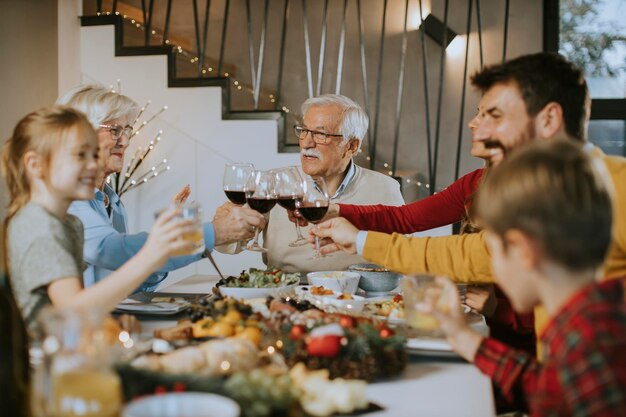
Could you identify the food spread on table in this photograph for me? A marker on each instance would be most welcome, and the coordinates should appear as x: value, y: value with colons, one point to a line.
x: 283, y: 354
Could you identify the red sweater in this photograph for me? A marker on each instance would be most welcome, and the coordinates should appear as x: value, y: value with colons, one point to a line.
x: 446, y: 207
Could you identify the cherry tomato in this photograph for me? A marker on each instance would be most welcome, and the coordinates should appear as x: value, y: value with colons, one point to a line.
x: 346, y: 322
x: 327, y: 346
x: 296, y: 332
x: 385, y: 332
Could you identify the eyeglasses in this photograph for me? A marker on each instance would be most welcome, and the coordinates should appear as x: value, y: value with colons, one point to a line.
x: 320, y: 138
x: 117, y: 131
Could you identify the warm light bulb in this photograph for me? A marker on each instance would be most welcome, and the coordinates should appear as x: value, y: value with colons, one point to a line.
x: 414, y: 21
x: 456, y: 48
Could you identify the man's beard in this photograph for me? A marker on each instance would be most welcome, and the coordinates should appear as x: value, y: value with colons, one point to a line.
x: 528, y: 135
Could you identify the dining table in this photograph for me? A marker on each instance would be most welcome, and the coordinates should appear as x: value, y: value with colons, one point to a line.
x: 433, y: 385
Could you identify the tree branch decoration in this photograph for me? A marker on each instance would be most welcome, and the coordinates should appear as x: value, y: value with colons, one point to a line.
x: 134, y: 175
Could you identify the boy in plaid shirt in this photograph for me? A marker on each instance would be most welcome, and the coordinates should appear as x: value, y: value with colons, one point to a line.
x: 547, y: 212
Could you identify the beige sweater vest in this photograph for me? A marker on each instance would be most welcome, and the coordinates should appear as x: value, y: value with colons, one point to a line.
x: 366, y: 187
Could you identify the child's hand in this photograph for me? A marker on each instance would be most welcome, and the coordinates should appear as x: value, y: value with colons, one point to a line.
x: 166, y: 237
x: 447, y: 310
x: 482, y: 299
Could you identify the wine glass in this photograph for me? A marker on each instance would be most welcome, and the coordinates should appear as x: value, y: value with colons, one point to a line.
x: 260, y: 196
x: 290, y: 188
x: 314, y: 204
x: 235, y: 178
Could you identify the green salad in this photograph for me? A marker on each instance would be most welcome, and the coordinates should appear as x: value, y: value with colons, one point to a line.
x: 258, y: 278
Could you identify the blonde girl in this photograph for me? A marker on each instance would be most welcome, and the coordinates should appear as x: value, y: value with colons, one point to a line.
x: 50, y: 161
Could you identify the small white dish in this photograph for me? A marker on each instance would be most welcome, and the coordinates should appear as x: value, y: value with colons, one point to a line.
x: 356, y: 304
x: 182, y: 404
x: 247, y: 293
x: 340, y: 281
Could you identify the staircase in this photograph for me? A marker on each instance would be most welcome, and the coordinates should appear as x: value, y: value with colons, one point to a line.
x: 174, y: 81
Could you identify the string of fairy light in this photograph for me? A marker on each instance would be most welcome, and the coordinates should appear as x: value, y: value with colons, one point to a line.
x: 240, y: 87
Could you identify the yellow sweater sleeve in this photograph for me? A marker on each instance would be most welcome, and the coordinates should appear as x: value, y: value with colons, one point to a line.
x: 615, y: 266
x: 463, y: 258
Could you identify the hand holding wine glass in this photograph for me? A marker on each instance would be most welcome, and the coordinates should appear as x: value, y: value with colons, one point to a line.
x: 314, y: 204
x: 260, y: 196
x: 336, y: 234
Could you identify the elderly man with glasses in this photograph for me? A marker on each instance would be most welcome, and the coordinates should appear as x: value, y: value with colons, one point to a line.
x: 331, y: 133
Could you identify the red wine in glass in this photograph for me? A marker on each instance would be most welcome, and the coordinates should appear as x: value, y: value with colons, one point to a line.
x: 313, y: 213
x: 262, y: 205
x: 236, y: 197
x: 289, y: 202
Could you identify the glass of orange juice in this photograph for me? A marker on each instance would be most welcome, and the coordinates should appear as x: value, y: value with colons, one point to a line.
x: 193, y: 211
x: 418, y: 289
x: 190, y: 211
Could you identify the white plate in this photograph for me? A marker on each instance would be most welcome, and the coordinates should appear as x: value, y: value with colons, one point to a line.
x: 429, y: 344
x: 247, y: 293
x: 156, y: 309
x: 424, y: 346
x: 182, y: 404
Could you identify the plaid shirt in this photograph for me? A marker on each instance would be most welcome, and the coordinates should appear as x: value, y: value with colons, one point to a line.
x: 584, y: 373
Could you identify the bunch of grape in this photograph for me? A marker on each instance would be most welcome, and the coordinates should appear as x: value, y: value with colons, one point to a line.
x: 260, y: 394
x: 215, y: 307
x: 298, y: 304
x: 199, y: 310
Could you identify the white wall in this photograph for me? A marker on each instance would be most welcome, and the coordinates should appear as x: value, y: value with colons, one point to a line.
x: 196, y: 142
x: 69, y: 43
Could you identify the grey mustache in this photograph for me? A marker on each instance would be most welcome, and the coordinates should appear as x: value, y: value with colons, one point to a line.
x: 311, y: 152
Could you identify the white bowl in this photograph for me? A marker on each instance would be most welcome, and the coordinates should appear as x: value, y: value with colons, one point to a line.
x: 247, y: 293
x: 340, y: 281
x: 182, y: 404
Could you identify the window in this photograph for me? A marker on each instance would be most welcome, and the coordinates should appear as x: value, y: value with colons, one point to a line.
x: 592, y: 34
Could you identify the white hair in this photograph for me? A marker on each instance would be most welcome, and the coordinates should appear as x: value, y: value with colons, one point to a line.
x: 354, y: 120
x: 100, y: 104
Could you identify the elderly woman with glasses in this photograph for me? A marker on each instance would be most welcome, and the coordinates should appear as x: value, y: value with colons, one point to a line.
x: 107, y: 241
